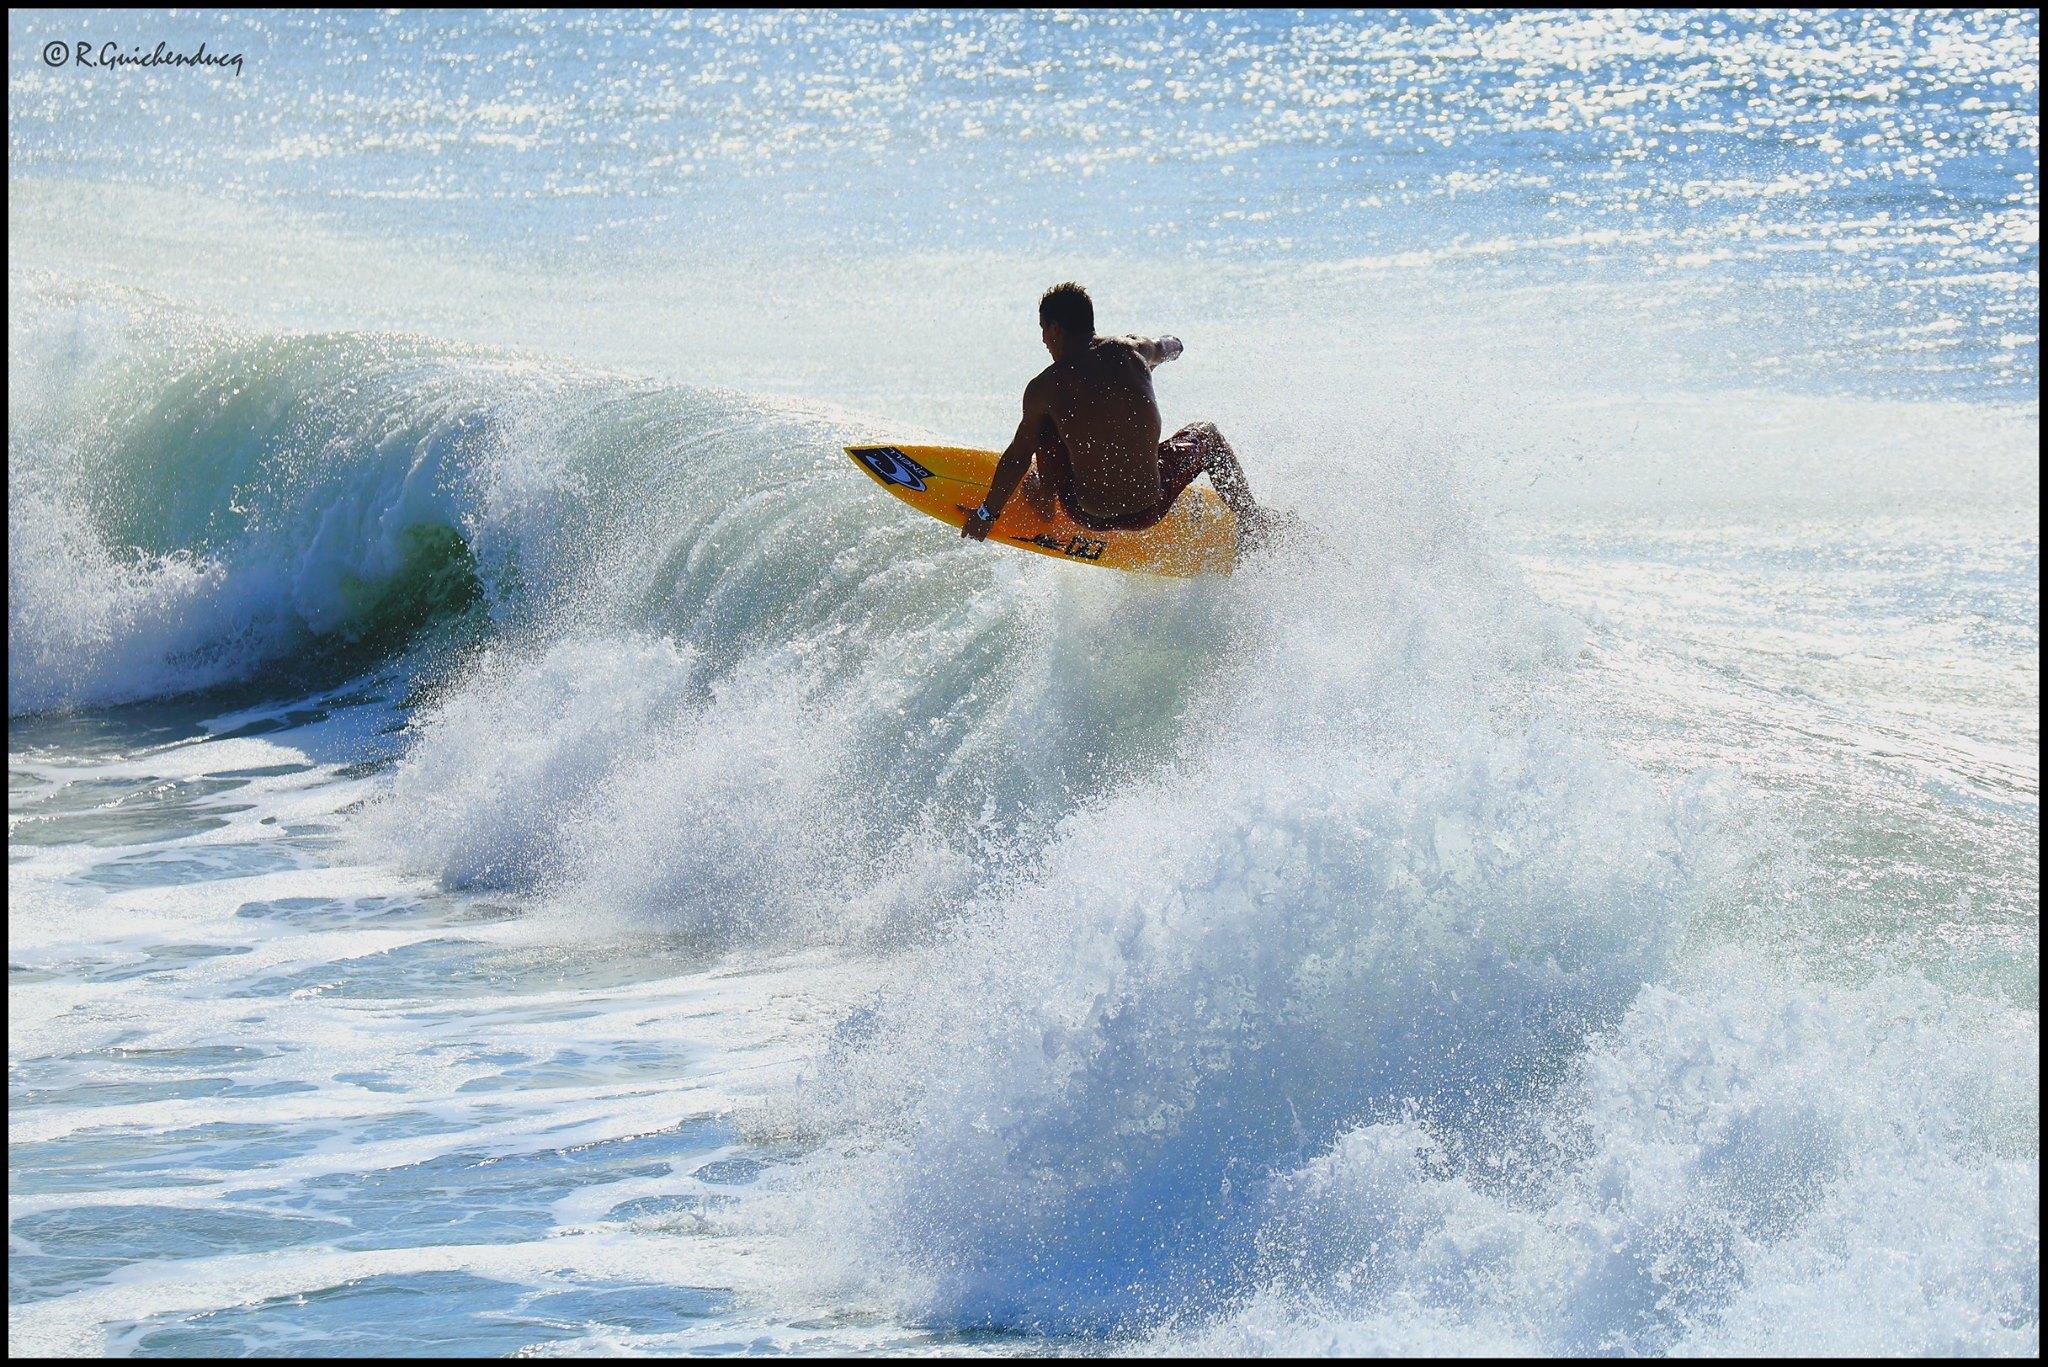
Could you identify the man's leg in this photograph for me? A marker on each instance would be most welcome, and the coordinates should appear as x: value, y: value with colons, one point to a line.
x: 1200, y: 449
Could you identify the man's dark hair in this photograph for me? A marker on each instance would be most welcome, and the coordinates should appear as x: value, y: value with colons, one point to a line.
x: 1068, y: 308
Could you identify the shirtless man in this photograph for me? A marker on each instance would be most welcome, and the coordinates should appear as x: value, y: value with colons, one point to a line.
x: 1090, y: 434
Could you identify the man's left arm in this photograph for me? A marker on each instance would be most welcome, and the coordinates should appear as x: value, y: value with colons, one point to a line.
x: 1015, y: 461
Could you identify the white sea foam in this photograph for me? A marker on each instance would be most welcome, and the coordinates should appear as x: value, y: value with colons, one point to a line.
x: 1378, y: 887
x: 1734, y: 1169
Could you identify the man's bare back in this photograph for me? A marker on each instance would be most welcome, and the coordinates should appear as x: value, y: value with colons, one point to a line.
x: 1089, y: 437
x: 1102, y: 411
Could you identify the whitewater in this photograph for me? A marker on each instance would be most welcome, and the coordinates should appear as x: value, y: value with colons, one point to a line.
x: 515, y: 846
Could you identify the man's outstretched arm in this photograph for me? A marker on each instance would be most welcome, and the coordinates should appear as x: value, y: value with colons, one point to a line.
x: 1156, y: 351
x: 1010, y: 469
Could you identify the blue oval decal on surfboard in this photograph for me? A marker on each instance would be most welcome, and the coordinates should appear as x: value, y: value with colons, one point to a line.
x: 893, y: 467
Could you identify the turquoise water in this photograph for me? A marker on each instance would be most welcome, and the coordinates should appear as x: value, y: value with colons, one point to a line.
x: 513, y: 847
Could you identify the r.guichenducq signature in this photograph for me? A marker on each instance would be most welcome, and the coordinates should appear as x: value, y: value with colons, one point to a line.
x: 111, y: 56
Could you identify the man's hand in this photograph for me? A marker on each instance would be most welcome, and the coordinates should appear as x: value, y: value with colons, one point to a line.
x: 975, y: 528
x: 1156, y: 351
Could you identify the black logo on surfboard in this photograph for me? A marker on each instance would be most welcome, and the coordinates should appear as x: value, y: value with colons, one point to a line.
x: 893, y: 467
x: 1079, y: 547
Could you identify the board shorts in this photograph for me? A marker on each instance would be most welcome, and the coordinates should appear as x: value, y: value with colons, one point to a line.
x: 1182, y: 456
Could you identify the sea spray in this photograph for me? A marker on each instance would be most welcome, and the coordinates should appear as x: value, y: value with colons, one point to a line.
x: 1407, y: 1054
x: 1736, y: 1168
x: 1373, y: 887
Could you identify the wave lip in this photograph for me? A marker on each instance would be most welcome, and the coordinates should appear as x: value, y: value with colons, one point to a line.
x: 190, y: 508
x: 240, y: 509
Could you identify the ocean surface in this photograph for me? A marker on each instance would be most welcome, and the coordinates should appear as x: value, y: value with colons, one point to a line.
x: 515, y: 846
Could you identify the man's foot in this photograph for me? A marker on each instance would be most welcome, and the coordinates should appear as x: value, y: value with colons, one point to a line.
x: 1263, y: 530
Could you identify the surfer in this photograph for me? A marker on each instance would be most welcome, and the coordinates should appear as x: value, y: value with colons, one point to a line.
x: 1090, y: 434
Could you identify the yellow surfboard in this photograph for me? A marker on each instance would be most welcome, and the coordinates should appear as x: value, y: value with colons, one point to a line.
x: 1198, y: 535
